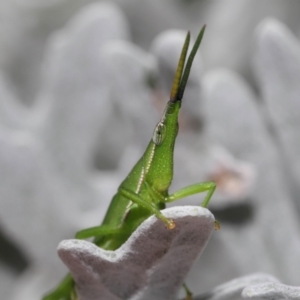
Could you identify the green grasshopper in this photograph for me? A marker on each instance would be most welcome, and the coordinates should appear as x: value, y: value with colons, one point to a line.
x: 144, y: 191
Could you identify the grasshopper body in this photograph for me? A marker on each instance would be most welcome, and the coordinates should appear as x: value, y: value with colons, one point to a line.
x: 144, y: 191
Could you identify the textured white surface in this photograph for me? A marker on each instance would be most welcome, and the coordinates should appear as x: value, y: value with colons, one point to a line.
x: 152, y: 264
x: 271, y: 291
x: 233, y: 289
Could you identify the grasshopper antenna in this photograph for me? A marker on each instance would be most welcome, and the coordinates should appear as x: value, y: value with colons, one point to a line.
x: 179, y: 71
x: 187, y: 69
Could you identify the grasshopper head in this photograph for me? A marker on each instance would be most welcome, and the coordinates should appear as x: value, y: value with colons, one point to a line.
x: 159, y: 162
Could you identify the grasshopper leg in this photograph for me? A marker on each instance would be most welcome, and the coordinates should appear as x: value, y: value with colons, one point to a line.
x: 96, y: 231
x: 62, y: 291
x: 151, y: 207
x: 188, y: 293
x: 196, y: 188
x: 208, y: 187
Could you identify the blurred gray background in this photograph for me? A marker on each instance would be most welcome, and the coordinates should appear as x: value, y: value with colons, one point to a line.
x: 82, y: 85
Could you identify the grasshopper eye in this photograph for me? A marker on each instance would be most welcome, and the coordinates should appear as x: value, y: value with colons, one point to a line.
x: 159, y: 134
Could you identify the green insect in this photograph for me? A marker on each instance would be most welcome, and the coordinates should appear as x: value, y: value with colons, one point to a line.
x: 144, y: 192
